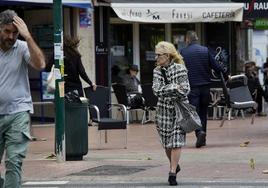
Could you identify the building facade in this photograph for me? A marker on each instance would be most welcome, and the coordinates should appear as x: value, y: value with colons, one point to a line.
x: 127, y: 32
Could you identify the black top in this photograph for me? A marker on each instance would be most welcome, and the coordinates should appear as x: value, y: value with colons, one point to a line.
x: 73, y: 68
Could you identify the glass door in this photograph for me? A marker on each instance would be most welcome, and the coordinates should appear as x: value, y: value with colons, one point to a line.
x: 150, y: 35
x: 121, y: 50
x: 178, y: 33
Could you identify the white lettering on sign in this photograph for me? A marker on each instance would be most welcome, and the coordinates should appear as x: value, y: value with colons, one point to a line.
x: 260, y: 6
x: 101, y: 50
x: 256, y: 6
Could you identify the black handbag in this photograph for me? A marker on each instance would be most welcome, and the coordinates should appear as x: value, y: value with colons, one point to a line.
x: 186, y: 115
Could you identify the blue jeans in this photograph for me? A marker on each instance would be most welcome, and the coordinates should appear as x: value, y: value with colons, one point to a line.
x: 14, y: 138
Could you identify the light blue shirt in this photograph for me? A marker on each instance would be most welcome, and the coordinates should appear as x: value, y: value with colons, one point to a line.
x: 15, y: 95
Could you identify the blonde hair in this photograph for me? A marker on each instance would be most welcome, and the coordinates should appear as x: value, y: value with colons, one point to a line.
x: 164, y: 47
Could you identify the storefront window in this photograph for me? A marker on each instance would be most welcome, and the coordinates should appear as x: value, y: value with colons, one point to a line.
x: 121, y: 50
x: 178, y: 34
x: 150, y: 35
x: 217, y: 40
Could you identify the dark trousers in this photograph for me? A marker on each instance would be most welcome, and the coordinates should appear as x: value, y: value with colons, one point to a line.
x: 199, y: 97
x: 260, y: 94
x: 258, y: 98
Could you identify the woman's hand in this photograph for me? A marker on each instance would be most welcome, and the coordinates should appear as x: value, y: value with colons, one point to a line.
x: 94, y: 86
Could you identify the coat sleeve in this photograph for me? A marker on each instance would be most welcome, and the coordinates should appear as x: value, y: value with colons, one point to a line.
x: 82, y: 72
x: 178, y: 77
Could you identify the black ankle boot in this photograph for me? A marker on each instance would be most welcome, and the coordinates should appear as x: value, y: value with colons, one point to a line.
x: 178, y: 169
x: 172, y: 179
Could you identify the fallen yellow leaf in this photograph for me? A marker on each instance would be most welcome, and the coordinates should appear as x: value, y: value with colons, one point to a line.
x: 51, y: 156
x: 252, y: 163
x: 244, y: 144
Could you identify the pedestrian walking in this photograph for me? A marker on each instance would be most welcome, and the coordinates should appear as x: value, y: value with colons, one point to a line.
x: 255, y: 87
x: 199, y: 63
x: 170, y: 83
x: 73, y: 67
x: 15, y: 96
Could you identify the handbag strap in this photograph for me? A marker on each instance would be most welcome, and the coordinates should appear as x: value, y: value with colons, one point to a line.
x: 164, y: 75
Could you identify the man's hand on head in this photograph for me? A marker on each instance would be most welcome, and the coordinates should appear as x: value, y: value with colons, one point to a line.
x: 22, y: 27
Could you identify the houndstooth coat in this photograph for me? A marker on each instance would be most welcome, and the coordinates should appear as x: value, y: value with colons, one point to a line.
x: 170, y: 134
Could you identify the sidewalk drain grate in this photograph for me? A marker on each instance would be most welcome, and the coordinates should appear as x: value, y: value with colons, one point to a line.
x: 112, y: 170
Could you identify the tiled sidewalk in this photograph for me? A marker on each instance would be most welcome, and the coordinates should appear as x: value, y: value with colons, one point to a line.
x: 223, y: 159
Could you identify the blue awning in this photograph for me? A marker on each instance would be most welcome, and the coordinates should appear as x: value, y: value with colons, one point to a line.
x: 86, y: 4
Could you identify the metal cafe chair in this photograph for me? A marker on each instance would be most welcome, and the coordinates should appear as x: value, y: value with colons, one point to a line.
x: 150, y: 102
x: 237, y: 96
x: 100, y: 112
x: 122, y: 98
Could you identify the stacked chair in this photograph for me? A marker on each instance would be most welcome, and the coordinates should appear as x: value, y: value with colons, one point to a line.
x: 237, y: 96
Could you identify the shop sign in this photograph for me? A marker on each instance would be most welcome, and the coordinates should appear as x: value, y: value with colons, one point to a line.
x: 254, y: 8
x: 261, y: 24
x: 179, y: 12
x: 84, y: 18
x: 101, y: 50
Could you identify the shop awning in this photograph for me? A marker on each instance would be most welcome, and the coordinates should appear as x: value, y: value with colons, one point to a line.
x: 72, y: 3
x: 178, y: 11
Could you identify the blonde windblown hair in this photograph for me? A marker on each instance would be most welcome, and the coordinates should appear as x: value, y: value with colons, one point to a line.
x: 164, y: 47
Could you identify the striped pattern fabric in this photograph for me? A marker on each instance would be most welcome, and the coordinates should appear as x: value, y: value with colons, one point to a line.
x: 170, y: 134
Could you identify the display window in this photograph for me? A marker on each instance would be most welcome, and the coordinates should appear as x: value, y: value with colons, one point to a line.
x: 150, y: 35
x: 121, y: 50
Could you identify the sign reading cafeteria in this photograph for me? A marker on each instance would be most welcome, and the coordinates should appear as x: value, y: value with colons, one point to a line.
x: 179, y: 12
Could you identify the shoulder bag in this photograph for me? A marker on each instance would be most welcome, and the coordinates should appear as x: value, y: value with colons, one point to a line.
x: 51, y: 81
x: 186, y: 115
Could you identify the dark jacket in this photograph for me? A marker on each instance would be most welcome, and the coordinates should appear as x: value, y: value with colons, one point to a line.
x: 199, y: 63
x: 73, y: 68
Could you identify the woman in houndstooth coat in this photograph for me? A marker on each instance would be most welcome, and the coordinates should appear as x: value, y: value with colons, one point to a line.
x: 176, y: 87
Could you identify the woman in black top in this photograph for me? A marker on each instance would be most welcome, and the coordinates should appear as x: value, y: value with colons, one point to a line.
x: 73, y: 67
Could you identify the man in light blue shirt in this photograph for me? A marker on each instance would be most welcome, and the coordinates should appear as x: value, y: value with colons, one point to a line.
x: 15, y: 96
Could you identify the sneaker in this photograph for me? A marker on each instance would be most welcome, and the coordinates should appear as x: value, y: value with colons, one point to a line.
x: 201, y: 139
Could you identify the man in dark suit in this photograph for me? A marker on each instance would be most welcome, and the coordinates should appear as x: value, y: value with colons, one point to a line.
x: 199, y: 63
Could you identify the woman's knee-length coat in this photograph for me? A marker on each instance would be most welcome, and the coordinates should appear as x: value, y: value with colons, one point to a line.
x: 170, y: 134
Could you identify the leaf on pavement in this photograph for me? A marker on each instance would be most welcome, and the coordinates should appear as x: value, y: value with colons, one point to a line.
x: 51, y: 156
x: 244, y: 144
x: 252, y: 163
x: 265, y: 171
